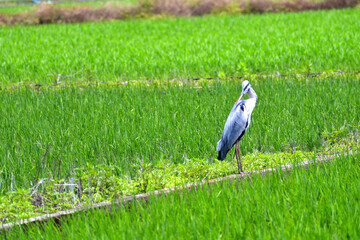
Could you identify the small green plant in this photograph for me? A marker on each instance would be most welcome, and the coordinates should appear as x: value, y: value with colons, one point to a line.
x: 299, y: 204
x: 99, y: 183
x: 345, y: 138
x: 242, y: 69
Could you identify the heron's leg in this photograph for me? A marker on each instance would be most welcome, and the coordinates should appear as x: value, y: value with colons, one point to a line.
x: 238, y: 159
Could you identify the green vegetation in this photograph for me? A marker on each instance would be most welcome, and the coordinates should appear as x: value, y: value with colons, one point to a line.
x: 48, y: 132
x: 15, y: 9
x: 110, y: 138
x: 94, y: 184
x: 122, y: 137
x: 182, y: 48
x: 322, y: 201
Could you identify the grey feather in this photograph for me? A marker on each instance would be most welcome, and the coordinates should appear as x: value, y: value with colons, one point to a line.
x: 235, y: 127
x: 237, y: 122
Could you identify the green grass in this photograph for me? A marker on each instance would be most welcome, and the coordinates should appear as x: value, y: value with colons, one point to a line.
x: 12, y: 8
x: 183, y: 47
x: 100, y: 183
x: 105, y: 131
x: 321, y: 202
x: 48, y: 132
x: 118, y: 126
x: 18, y: 9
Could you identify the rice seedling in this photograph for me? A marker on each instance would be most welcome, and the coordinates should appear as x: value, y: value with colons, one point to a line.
x: 50, y: 131
x: 57, y: 132
x: 181, y: 48
x: 322, y: 201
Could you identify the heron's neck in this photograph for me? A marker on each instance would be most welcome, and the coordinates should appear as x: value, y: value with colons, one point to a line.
x: 251, y: 102
x: 251, y: 93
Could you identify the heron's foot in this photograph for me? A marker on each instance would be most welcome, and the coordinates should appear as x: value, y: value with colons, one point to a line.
x: 243, y: 172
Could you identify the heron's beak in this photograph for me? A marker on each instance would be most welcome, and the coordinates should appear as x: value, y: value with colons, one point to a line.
x: 239, y: 99
x: 242, y: 94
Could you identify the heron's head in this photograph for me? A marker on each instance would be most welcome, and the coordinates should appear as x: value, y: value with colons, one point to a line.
x: 245, y: 88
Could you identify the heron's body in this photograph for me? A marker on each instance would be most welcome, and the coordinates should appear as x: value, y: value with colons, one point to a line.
x: 237, y: 122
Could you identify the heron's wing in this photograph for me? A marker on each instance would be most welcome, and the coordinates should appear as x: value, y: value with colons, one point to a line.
x: 235, y: 127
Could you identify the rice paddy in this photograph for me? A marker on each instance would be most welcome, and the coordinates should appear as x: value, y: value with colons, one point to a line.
x: 120, y: 125
x: 322, y: 201
x: 86, y: 118
x: 182, y: 47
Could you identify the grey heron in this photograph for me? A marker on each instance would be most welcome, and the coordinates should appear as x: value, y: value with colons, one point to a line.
x: 237, y: 123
